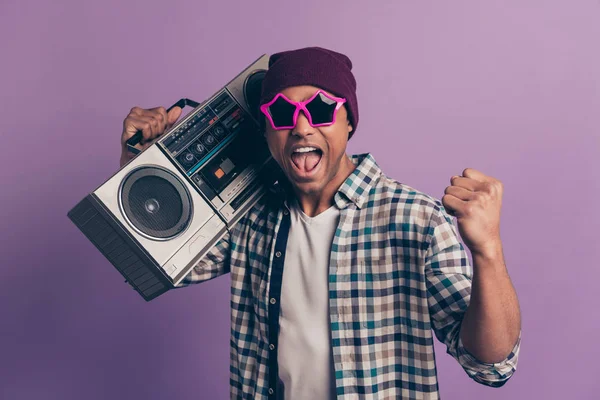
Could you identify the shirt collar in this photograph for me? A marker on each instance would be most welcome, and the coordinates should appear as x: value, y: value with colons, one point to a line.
x: 355, y: 188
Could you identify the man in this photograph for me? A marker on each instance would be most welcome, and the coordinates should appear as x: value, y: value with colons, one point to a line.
x: 341, y: 275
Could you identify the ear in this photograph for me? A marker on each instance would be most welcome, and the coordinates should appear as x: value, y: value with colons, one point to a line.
x: 349, y: 126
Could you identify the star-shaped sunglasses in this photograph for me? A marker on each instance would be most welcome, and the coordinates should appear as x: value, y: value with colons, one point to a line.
x: 320, y: 110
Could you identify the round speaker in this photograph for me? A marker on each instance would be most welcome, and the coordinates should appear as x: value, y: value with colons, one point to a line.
x: 155, y: 202
x: 252, y: 91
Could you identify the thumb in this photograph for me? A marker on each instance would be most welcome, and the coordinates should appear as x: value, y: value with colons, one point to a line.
x: 173, y: 115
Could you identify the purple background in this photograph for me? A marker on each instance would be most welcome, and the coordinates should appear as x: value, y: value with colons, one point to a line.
x: 509, y: 88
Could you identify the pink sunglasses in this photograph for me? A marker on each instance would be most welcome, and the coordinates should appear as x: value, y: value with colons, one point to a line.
x: 320, y: 110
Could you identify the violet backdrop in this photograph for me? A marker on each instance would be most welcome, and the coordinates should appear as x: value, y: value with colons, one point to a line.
x: 511, y: 88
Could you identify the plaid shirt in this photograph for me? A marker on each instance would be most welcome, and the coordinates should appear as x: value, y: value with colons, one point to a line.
x: 397, y: 274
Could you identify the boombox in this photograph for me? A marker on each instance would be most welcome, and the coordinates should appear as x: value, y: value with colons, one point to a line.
x: 164, y: 210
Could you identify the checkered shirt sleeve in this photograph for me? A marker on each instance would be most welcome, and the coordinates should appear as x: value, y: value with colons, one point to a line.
x: 449, y: 272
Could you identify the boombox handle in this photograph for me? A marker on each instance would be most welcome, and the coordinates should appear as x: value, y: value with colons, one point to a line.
x: 135, y: 139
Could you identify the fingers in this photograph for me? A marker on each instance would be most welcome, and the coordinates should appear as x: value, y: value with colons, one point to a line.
x: 469, y: 183
x: 151, y: 122
x: 144, y: 124
x: 173, y: 116
x: 461, y: 181
x: 159, y: 120
x: 453, y: 205
x: 459, y: 192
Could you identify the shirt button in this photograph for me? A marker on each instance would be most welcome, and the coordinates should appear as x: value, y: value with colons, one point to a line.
x: 270, y: 390
x: 273, y: 301
x: 278, y: 254
x: 272, y: 346
x: 285, y: 212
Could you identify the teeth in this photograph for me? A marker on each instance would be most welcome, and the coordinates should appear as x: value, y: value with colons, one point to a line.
x: 304, y: 149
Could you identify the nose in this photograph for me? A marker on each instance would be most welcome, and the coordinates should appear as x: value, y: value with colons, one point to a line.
x: 302, y: 127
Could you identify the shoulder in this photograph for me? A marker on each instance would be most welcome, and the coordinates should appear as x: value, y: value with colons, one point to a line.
x: 389, y: 190
x: 259, y: 217
x: 406, y: 203
x: 373, y: 189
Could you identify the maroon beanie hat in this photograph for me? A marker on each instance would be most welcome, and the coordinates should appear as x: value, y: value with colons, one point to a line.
x: 314, y: 66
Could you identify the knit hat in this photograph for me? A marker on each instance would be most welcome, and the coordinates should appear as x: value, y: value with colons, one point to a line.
x: 314, y: 66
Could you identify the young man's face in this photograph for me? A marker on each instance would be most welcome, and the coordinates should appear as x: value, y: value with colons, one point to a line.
x: 311, y: 171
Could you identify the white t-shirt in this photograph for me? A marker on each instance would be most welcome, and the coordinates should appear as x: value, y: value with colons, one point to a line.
x: 305, y: 357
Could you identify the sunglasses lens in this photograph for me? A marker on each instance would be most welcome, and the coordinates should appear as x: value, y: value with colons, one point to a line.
x: 282, y: 113
x: 321, y: 109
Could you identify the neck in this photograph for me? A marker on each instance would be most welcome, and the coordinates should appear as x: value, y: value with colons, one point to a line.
x: 314, y: 203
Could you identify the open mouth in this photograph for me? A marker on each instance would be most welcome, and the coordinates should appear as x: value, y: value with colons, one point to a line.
x: 306, y: 159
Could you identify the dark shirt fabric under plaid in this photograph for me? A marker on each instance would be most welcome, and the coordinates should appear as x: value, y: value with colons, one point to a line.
x: 398, y: 275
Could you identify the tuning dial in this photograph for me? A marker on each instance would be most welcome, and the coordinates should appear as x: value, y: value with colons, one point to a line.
x: 187, y: 159
x: 209, y: 140
x: 198, y: 148
x: 219, y: 131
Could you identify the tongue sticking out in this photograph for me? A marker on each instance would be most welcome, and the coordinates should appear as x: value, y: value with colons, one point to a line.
x: 306, y: 161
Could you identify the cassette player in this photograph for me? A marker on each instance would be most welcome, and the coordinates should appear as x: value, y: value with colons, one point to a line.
x: 165, y: 209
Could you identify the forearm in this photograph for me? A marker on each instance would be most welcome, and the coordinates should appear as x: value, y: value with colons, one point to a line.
x: 492, y: 322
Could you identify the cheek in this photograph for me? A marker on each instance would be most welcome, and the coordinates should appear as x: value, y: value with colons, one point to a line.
x: 337, y: 140
x: 339, y: 132
x: 276, y: 144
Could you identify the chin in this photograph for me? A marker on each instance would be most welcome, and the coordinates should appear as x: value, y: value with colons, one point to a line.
x: 308, y: 187
x: 304, y: 185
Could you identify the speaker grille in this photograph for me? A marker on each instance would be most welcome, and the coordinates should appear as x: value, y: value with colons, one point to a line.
x: 90, y: 217
x: 156, y: 202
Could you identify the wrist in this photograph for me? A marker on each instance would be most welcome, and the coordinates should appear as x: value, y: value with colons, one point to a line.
x: 490, y: 252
